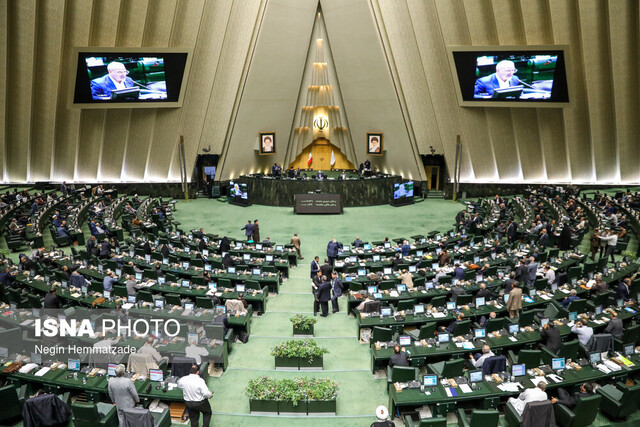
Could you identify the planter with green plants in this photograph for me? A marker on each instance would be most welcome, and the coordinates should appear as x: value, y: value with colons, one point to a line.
x: 296, y: 396
x: 302, y: 326
x: 298, y: 354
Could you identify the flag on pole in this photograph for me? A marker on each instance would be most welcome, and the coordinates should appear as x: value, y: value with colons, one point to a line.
x: 310, y: 159
x: 333, y: 158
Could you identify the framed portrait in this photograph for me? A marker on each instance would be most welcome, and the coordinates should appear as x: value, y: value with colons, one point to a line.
x: 374, y: 143
x: 267, y: 143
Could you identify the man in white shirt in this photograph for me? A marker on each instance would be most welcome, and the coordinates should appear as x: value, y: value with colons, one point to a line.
x: 583, y: 332
x: 611, y: 241
x: 536, y: 394
x: 549, y: 274
x: 196, y: 395
x: 486, y: 353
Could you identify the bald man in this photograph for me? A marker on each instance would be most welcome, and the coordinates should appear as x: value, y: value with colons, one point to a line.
x: 116, y: 79
x: 501, y: 79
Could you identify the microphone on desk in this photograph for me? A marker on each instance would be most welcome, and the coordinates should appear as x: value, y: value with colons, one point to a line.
x: 526, y: 84
x: 147, y: 88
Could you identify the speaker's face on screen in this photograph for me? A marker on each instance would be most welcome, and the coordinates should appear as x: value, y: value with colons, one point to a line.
x: 505, y: 70
x: 117, y: 71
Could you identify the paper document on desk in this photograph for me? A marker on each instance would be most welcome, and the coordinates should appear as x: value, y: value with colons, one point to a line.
x: 545, y: 297
x: 26, y: 322
x: 566, y: 291
x: 604, y: 369
x: 514, y: 339
x: 465, y: 388
x: 555, y: 378
x: 438, y: 315
x: 28, y: 368
x: 536, y: 380
x: 467, y: 345
x: 127, y: 305
x: 393, y: 294
x: 42, y: 371
x: 510, y: 387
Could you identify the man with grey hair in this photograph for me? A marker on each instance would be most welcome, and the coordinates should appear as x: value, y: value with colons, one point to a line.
x: 116, y: 79
x: 122, y: 392
x: 501, y: 79
x: 478, y: 359
x: 536, y: 394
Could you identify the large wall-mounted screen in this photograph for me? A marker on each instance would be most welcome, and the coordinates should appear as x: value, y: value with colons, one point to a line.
x: 511, y: 76
x: 129, y: 78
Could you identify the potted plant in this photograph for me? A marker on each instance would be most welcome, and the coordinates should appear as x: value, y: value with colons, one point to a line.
x: 298, y: 354
x: 302, y: 326
x: 292, y: 397
x: 321, y: 396
x: 263, y: 397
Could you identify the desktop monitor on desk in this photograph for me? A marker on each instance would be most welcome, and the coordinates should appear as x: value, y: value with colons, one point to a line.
x: 238, y: 245
x: 377, y: 295
x: 376, y: 258
x: 451, y: 305
x: 419, y: 253
x: 131, y: 299
x: 443, y: 337
x: 213, y: 286
x: 246, y: 257
x: 268, y: 258
x: 162, y: 280
x: 231, y: 270
x: 519, y: 370
x: 106, y: 294
x: 188, y: 306
x: 207, y: 267
x: 418, y: 309
x: 413, y: 269
x: 544, y: 321
x: 366, y: 247
x: 435, y: 266
x: 438, y: 251
x: 573, y: 316
x: 598, y: 309
x: 346, y: 248
x: 476, y: 259
x: 259, y: 246
x: 362, y: 272
x: 205, y: 252
x: 387, y: 245
x: 514, y: 328
x: 629, y: 349
x: 256, y: 271
x: 185, y: 264
x: 480, y: 301
x: 138, y: 277
x: 111, y: 369
x: 386, y: 311
x: 372, y: 289
x: 401, y: 288
x: 480, y: 333
x: 73, y: 365
x: 557, y: 364
x: 165, y: 261
x: 595, y: 357
x: 240, y: 288
x: 404, y: 340
x: 156, y: 375
x: 475, y: 376
x: 428, y: 285
x: 430, y: 381
x: 185, y: 283
x: 159, y: 303
x: 619, y: 303
x: 506, y: 298
x: 387, y: 271
x: 221, y: 310
x: 554, y: 287
x: 279, y: 248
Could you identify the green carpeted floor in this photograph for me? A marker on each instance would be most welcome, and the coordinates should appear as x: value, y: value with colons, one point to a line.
x: 348, y: 361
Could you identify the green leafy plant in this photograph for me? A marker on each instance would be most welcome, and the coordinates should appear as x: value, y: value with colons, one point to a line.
x: 302, y: 322
x: 292, y: 390
x: 303, y: 349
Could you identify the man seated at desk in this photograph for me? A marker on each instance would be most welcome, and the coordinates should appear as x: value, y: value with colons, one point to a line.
x: 406, y: 278
x: 583, y: 332
x: 570, y: 401
x: 477, y: 360
x: 573, y: 295
x: 452, y: 325
x: 536, y: 394
x: 399, y: 357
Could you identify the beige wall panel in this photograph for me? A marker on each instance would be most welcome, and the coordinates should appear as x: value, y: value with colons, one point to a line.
x: 117, y: 122
x: 431, y: 45
x: 623, y: 37
x: 77, y: 21
x: 233, y: 57
x: 504, y: 143
x: 47, y: 57
x: 4, y: 29
x: 204, y: 71
x: 510, y: 29
x: 271, y: 90
x: 368, y: 93
x: 104, y: 28
x: 411, y: 74
x: 481, y: 22
x: 133, y: 14
x: 141, y: 128
x: 187, y: 21
x: 536, y: 21
x: 157, y: 30
x: 551, y: 125
x: 21, y: 47
x: 114, y: 139
x: 595, y: 46
x: 564, y: 18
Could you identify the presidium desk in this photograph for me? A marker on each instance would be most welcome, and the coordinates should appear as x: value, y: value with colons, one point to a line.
x: 266, y: 190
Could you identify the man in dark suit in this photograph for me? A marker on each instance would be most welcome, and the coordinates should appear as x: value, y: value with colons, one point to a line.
x: 458, y: 272
x: 399, y: 357
x: 51, y: 300
x: 336, y: 286
x: 315, y: 266
x: 357, y: 243
x: 543, y: 241
x: 532, y: 269
x: 326, y: 268
x: 405, y: 248
x: 460, y: 218
x: 551, y: 337
x: 317, y: 279
x: 484, y: 292
x: 332, y: 250
x: 105, y: 249
x: 324, y: 296
x: 248, y: 230
x: 566, y: 399
x: 512, y: 231
x: 452, y: 325
x: 623, y: 290
x: 614, y: 327
x: 116, y: 79
x: 502, y: 78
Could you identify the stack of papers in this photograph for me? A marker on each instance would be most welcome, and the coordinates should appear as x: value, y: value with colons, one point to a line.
x: 42, y: 371
x: 510, y: 387
x: 536, y: 380
x: 465, y: 388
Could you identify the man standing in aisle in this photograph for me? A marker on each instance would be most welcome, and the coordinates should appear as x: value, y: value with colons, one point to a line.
x: 324, y: 296
x: 248, y: 230
x: 122, y: 392
x: 336, y: 286
x: 196, y: 395
x: 332, y: 250
x: 295, y: 241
